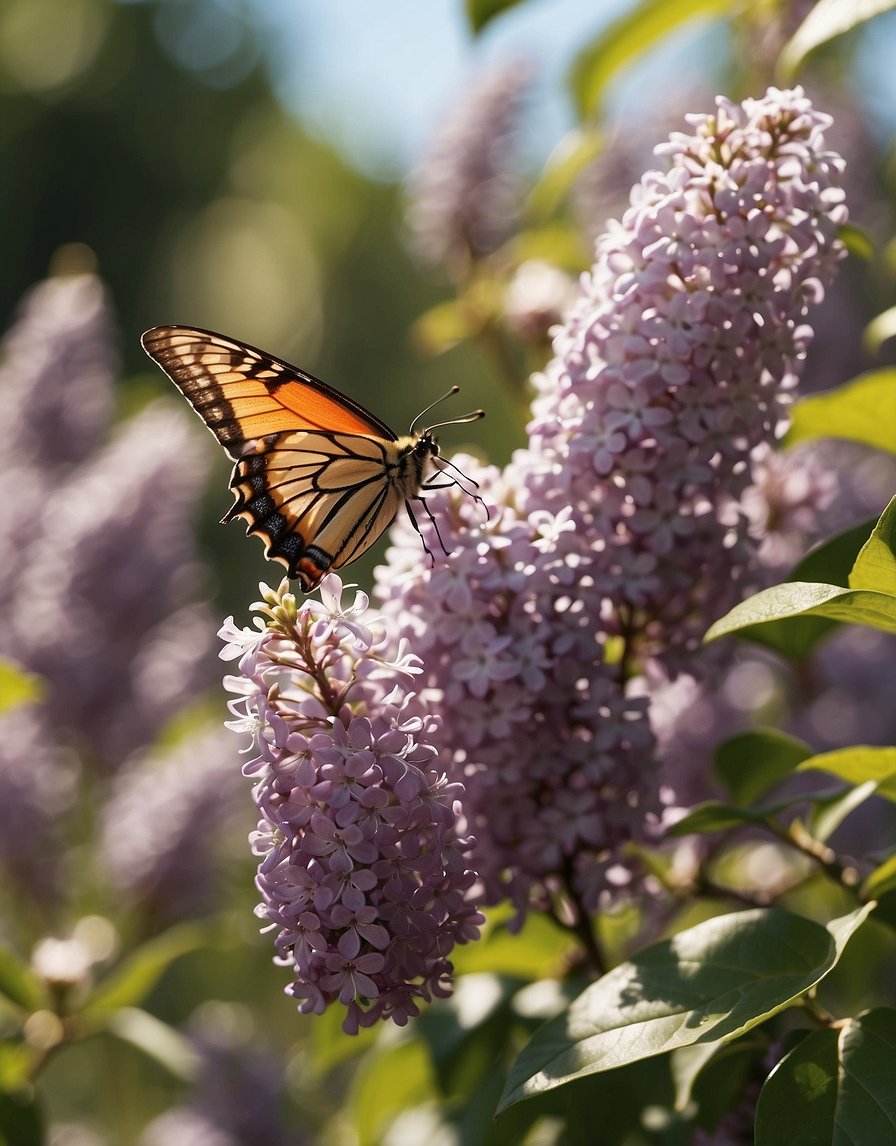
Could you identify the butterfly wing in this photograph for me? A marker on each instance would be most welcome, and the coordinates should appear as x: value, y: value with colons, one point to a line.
x: 243, y: 394
x: 317, y: 476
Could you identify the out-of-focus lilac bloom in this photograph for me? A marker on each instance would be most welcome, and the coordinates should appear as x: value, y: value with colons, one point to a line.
x: 464, y: 198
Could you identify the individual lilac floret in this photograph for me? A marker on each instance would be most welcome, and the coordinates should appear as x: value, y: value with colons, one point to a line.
x: 679, y: 358
x: 363, y: 872
x: 464, y: 197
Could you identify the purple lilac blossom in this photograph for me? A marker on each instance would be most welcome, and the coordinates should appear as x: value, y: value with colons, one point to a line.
x: 124, y: 561
x: 37, y: 786
x: 557, y: 760
x: 363, y: 868
x: 158, y: 852
x: 619, y: 533
x: 464, y: 197
x: 679, y: 360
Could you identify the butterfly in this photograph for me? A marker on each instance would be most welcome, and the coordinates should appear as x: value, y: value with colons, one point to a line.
x: 316, y: 476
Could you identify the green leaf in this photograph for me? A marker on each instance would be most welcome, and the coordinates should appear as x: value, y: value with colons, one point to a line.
x: 836, y: 1086
x: 713, y: 816
x: 752, y: 762
x: 829, y: 812
x: 18, y: 1060
x: 535, y: 952
x: 860, y: 764
x: 567, y: 161
x: 827, y: 20
x: 881, y: 880
x: 708, y: 984
x: 480, y: 12
x: 131, y: 981
x: 557, y: 243
x: 863, y: 410
x: 157, y: 1040
x: 875, y: 567
x: 17, y: 686
x: 18, y: 982
x: 879, y: 330
x: 624, y: 40
x: 387, y: 1084
x: 805, y: 598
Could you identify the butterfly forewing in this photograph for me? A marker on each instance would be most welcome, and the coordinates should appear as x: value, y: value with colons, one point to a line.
x: 317, y: 476
x: 242, y: 393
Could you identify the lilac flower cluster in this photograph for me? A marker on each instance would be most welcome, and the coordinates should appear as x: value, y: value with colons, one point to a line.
x: 464, y: 198
x: 678, y: 360
x: 619, y: 533
x: 364, y: 871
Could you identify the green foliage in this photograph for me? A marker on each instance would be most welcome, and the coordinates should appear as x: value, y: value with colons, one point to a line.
x: 481, y: 12
x: 831, y: 1087
x: 627, y: 39
x: 869, y: 600
x: 863, y: 410
x: 827, y: 20
x: 752, y: 762
x: 708, y: 984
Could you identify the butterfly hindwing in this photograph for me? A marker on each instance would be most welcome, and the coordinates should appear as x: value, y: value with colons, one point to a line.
x: 317, y: 476
x: 319, y: 500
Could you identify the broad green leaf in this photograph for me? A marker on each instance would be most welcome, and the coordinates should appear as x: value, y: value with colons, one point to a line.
x: 131, y: 981
x: 829, y: 812
x: 624, y: 40
x: 480, y: 12
x: 881, y: 880
x: 860, y: 764
x: 18, y: 983
x: 836, y: 1086
x: 17, y: 686
x: 386, y: 1084
x: 805, y: 598
x: 686, y: 1063
x: 708, y: 984
x: 799, y: 1099
x: 879, y: 330
x: 827, y: 20
x: 830, y: 562
x: 157, y: 1040
x: 567, y: 161
x: 714, y: 817
x: 863, y: 410
x: 752, y: 762
x: 875, y: 566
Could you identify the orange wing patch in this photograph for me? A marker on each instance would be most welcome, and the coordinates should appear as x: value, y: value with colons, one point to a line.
x: 243, y: 394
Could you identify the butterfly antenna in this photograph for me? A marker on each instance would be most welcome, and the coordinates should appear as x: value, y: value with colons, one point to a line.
x: 473, y: 416
x: 454, y: 390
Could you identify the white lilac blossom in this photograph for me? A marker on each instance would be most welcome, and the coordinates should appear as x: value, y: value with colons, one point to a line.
x: 679, y: 360
x: 363, y: 867
x: 464, y: 197
x: 617, y: 534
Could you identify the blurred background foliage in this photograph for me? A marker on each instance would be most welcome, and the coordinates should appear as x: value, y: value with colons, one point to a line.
x: 147, y: 141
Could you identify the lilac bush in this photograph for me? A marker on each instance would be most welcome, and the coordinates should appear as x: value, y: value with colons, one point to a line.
x: 364, y: 873
x: 620, y: 531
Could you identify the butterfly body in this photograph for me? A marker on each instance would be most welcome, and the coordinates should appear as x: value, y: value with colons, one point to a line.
x: 315, y: 475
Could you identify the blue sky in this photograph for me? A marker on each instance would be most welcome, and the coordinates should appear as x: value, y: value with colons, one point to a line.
x: 375, y: 78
